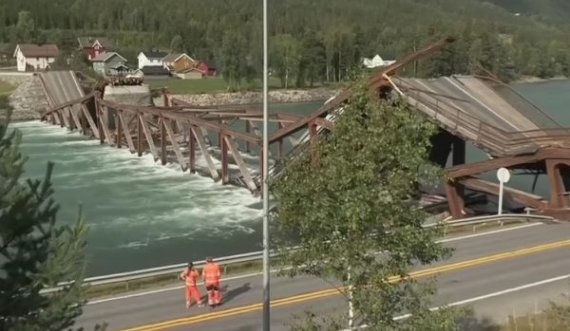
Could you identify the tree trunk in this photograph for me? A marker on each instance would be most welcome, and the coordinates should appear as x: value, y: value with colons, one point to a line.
x: 286, y: 78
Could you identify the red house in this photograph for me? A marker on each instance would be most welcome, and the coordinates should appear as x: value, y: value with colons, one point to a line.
x: 92, y: 47
x: 206, y: 69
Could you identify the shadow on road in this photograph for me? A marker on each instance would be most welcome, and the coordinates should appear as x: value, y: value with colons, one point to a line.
x: 233, y: 293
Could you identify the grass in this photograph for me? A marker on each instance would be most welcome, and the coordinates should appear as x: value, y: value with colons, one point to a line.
x: 207, y: 85
x: 553, y: 319
x: 6, y: 88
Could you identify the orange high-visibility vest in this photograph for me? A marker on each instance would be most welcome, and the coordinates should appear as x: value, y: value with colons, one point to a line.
x: 190, y: 276
x: 212, y: 274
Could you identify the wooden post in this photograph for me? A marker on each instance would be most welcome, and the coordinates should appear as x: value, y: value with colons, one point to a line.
x: 454, y: 200
x: 240, y: 163
x: 162, y: 141
x: 99, y: 123
x: 192, y: 149
x: 220, y: 135
x: 225, y: 161
x: 174, y: 143
x: 165, y: 98
x: 139, y: 136
x: 202, y: 144
x: 148, y: 136
x: 126, y: 131
x: 556, y: 184
x: 119, y: 127
x: 247, y: 130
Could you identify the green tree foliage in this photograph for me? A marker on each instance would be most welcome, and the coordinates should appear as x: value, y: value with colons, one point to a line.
x: 349, y: 197
x: 334, y: 34
x: 25, y: 26
x: 177, y: 44
x: 285, y: 57
x: 35, y: 252
x: 234, y: 52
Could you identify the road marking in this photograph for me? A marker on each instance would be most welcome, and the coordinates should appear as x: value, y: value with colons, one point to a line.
x: 176, y: 288
x: 334, y: 291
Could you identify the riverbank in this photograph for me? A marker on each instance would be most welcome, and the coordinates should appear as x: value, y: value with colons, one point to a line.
x: 244, y: 98
x: 534, y: 79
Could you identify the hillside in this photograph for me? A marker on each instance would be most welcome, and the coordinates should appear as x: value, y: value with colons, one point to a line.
x: 312, y: 41
x: 545, y: 10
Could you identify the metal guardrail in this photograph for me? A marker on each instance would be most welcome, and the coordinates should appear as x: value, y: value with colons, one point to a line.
x: 126, y: 277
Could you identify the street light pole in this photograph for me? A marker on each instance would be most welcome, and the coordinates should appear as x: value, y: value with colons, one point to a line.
x: 265, y: 184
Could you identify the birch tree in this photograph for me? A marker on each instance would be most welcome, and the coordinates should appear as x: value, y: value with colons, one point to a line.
x: 348, y: 198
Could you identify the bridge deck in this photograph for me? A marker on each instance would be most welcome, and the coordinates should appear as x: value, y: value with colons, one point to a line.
x: 61, y: 87
x: 489, y: 115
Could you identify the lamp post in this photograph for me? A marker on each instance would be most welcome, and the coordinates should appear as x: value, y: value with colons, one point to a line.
x: 265, y: 184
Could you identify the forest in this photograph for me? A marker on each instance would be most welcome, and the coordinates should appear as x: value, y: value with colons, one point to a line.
x: 312, y: 42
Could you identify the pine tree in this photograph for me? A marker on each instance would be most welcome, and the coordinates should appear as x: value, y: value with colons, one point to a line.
x: 35, y: 252
x: 348, y: 198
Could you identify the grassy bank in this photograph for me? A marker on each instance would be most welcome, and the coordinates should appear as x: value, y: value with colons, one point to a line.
x: 6, y: 88
x: 556, y: 318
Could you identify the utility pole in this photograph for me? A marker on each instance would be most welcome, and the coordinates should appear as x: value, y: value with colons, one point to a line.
x: 265, y: 184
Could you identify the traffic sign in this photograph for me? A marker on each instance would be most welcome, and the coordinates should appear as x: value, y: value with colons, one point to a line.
x: 504, y: 175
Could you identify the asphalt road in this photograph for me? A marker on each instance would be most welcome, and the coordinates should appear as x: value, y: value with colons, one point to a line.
x: 497, y: 273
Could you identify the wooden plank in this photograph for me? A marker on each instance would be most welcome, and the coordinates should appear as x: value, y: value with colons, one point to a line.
x: 148, y: 136
x: 75, y: 118
x: 192, y: 149
x: 118, y: 129
x: 524, y: 198
x: 225, y: 160
x: 103, y: 120
x: 91, y: 122
x: 202, y: 144
x: 139, y: 136
x: 162, y: 141
x: 240, y: 163
x: 126, y: 131
x: 63, y: 113
x: 168, y: 126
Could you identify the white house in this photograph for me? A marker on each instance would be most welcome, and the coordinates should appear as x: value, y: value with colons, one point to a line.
x: 376, y: 61
x: 151, y: 58
x: 35, y: 57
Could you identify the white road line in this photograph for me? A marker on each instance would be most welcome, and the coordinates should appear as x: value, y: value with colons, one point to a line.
x: 175, y: 288
x: 486, y: 296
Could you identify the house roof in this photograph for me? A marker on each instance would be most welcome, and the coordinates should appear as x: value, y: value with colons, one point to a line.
x: 154, y: 70
x: 154, y: 54
x: 86, y: 42
x: 33, y: 50
x: 104, y: 57
x: 175, y: 57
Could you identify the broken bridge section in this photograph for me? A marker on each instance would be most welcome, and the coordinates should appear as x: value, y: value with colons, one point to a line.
x: 479, y: 110
x: 221, y: 142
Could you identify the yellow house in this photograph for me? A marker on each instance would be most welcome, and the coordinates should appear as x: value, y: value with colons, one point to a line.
x: 179, y: 62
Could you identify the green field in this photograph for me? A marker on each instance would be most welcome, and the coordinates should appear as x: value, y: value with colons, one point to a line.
x: 207, y: 85
x: 6, y: 88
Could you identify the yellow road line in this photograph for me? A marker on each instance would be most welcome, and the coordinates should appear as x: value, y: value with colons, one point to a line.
x: 334, y: 291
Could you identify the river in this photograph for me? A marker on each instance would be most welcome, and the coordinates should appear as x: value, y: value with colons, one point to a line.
x: 141, y: 214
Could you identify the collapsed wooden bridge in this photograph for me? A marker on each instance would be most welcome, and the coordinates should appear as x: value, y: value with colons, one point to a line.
x: 468, y: 109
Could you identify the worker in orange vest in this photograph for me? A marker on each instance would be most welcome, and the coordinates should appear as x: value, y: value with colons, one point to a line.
x: 212, y: 274
x: 190, y: 275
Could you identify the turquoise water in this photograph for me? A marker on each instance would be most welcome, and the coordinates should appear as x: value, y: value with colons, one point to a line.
x: 142, y: 214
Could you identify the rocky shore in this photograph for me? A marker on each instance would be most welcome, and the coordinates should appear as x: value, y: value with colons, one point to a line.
x: 243, y: 98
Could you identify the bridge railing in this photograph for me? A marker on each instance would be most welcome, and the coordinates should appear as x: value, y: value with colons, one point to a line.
x: 174, y: 270
x: 483, y: 134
